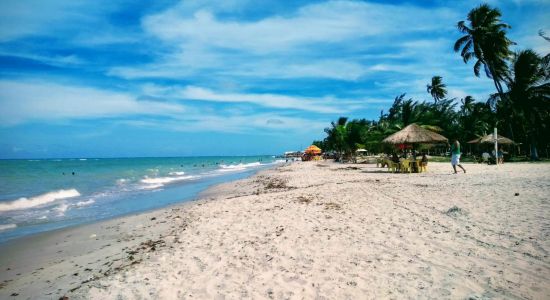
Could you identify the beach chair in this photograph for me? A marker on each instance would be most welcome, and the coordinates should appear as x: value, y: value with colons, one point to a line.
x: 406, y: 166
x: 382, y: 162
x: 392, y: 167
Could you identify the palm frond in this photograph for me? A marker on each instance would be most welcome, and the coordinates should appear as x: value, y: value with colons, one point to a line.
x: 460, y: 42
x: 477, y: 66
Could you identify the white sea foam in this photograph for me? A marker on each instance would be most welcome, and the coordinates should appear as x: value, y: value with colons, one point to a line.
x: 239, y: 167
x: 158, y: 182
x: 83, y: 159
x: 61, y: 209
x: 165, y: 180
x: 176, y: 173
x: 151, y: 186
x: 7, y: 226
x: 122, y: 181
x: 25, y: 203
x: 85, y: 203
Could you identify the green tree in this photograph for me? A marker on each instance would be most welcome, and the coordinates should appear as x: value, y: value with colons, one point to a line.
x: 467, y: 105
x: 437, y: 88
x: 337, y: 136
x: 475, y: 119
x: 527, y: 101
x: 485, y: 40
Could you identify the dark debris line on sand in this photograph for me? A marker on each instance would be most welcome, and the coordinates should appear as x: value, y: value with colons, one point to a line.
x: 136, y: 255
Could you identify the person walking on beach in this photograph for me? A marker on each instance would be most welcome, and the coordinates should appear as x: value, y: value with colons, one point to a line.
x: 455, y: 156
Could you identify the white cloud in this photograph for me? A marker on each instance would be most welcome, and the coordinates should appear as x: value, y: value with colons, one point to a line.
x: 28, y: 101
x: 150, y: 71
x: 327, y: 22
x: 268, y: 123
x: 47, y: 18
x: 322, y: 105
x: 42, y: 101
x: 313, y: 41
x: 339, y: 69
x: 208, y: 44
x: 56, y: 60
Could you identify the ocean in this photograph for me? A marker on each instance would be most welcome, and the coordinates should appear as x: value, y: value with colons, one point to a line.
x: 38, y: 195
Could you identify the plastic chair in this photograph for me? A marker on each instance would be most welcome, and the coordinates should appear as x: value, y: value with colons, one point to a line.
x: 406, y: 166
x: 392, y: 167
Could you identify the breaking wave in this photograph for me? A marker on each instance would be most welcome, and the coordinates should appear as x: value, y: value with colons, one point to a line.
x: 25, y: 203
x: 239, y: 167
x: 158, y: 182
x: 7, y: 226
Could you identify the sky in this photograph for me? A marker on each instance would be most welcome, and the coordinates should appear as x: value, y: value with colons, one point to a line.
x: 188, y: 78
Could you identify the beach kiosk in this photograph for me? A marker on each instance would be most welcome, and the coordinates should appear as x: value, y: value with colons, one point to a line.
x: 409, y: 136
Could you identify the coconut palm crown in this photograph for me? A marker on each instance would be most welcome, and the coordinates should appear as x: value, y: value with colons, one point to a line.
x: 437, y: 88
x: 485, y: 40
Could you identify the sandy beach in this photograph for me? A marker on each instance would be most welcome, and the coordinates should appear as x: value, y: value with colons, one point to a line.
x: 315, y: 230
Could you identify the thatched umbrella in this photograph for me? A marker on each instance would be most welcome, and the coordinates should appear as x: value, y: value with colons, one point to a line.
x: 414, y: 134
x: 489, y: 139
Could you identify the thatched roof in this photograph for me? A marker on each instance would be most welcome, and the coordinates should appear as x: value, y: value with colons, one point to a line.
x: 490, y: 140
x: 414, y: 134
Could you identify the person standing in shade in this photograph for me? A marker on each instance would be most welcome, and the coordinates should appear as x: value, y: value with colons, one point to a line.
x: 455, y: 156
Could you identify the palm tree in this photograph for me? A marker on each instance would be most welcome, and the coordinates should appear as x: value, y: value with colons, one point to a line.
x: 485, y: 40
x: 467, y: 105
x: 437, y: 89
x: 542, y: 34
x: 411, y: 112
x: 528, y: 98
x: 337, y: 136
x: 475, y: 118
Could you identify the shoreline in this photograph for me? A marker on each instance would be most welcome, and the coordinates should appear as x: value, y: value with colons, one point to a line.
x: 314, y: 230
x: 86, y: 247
x: 177, y: 193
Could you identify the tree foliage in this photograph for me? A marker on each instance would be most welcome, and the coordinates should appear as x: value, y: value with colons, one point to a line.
x: 485, y: 41
x: 520, y: 108
x: 437, y: 88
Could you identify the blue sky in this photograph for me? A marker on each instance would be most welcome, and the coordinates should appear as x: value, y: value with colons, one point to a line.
x: 180, y: 78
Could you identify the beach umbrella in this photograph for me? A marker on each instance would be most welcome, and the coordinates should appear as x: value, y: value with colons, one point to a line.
x: 414, y: 134
x: 475, y: 141
x: 313, y: 150
x: 489, y: 139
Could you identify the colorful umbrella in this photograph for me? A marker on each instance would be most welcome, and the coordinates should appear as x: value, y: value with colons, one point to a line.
x: 313, y: 150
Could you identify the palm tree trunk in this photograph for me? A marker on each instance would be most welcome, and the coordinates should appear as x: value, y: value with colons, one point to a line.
x: 496, y: 81
x: 500, y: 92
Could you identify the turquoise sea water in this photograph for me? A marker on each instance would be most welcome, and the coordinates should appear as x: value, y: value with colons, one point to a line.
x: 46, y: 194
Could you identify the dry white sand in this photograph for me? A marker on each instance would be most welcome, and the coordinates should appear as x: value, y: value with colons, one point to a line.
x: 328, y: 231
